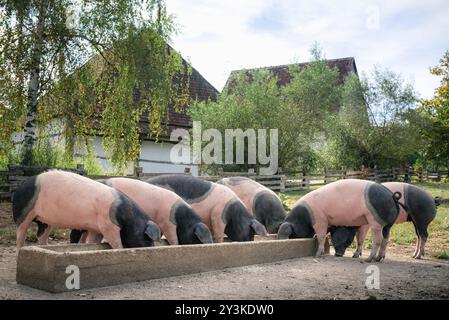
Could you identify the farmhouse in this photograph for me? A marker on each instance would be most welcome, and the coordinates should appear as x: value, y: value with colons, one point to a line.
x: 155, y: 156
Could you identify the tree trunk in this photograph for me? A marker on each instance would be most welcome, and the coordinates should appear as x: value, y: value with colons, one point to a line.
x: 33, y: 90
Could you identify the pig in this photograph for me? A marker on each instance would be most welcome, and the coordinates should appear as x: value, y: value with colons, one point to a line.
x: 417, y: 206
x: 177, y: 220
x: 349, y: 202
x: 68, y: 200
x: 342, y: 238
x: 260, y: 201
x: 219, y: 207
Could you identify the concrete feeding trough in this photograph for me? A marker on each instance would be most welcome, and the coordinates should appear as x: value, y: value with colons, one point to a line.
x: 44, y: 267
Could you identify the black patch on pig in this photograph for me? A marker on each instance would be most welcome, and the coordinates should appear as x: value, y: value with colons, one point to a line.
x: 40, y: 227
x: 191, y: 189
x: 298, y: 223
x: 190, y: 229
x: 136, y: 229
x: 24, y: 198
x: 268, y: 209
x: 75, y: 235
x: 421, y: 208
x: 379, y: 200
x: 240, y: 225
x: 342, y: 237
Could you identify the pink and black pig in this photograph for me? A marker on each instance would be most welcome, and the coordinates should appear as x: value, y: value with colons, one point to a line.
x: 59, y: 199
x: 417, y: 206
x: 260, y: 201
x: 350, y: 203
x: 177, y: 220
x: 218, y: 206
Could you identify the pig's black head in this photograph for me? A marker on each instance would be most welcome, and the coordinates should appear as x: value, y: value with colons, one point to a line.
x: 240, y: 225
x: 189, y: 227
x: 298, y: 224
x: 136, y: 229
x: 342, y: 238
x: 269, y: 210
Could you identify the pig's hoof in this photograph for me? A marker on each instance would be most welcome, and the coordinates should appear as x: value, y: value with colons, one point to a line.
x: 379, y: 258
x: 356, y: 255
x: 418, y: 256
x: 368, y: 259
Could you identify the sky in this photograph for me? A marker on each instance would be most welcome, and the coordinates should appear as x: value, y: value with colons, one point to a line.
x: 407, y: 37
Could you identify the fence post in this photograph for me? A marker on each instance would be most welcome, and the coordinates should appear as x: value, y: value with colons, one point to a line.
x: 420, y: 175
x: 376, y: 175
x: 407, y: 175
x: 80, y: 169
x: 282, y: 183
x: 305, y: 182
x: 138, y: 171
x: 326, y: 175
x: 220, y: 172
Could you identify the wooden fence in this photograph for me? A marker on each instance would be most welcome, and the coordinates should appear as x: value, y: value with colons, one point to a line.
x: 284, y: 181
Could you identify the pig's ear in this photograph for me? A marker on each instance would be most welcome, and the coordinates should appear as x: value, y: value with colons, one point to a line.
x: 203, y: 234
x: 285, y: 230
x: 258, y: 228
x: 152, y: 231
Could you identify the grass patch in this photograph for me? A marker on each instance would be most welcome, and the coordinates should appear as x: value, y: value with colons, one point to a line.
x: 444, y: 255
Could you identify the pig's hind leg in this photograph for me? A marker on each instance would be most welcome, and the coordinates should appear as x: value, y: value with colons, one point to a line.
x: 376, y: 233
x: 383, y: 245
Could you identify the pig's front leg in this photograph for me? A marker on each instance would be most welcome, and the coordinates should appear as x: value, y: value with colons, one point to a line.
x: 93, y: 237
x: 42, y: 239
x: 321, y: 233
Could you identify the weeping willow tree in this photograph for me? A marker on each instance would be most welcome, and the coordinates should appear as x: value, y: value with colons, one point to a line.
x: 99, y: 66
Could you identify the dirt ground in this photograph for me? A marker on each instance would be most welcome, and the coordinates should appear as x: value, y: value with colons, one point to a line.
x: 306, y: 278
x: 401, y: 277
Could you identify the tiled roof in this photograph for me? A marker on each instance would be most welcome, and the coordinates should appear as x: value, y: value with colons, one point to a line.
x: 345, y: 67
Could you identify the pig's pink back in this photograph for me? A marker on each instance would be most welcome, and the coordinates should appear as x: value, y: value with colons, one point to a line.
x: 68, y: 200
x: 340, y: 203
x: 246, y: 190
x: 155, y: 201
x: 210, y: 209
x: 398, y: 187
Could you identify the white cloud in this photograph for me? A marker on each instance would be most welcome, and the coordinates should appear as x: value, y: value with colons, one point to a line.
x: 219, y: 36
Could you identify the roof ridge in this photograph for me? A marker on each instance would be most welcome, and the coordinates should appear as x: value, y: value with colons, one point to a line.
x: 291, y: 64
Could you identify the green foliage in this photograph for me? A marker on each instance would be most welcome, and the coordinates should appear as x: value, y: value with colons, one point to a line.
x: 437, y: 109
x: 443, y: 254
x: 377, y: 124
x: 100, y: 74
x: 284, y: 199
x: 255, y: 101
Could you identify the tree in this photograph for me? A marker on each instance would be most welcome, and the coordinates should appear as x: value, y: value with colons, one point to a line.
x: 254, y: 100
x: 46, y: 51
x: 377, y: 124
x: 437, y: 110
